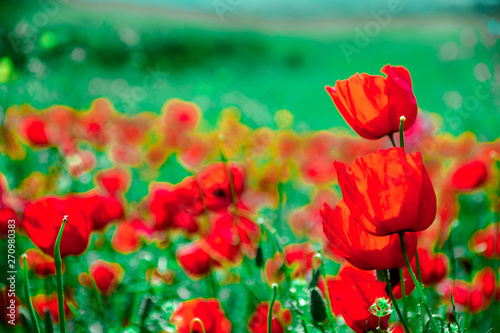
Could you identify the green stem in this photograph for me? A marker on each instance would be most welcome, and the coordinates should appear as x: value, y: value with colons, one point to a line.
x: 403, y: 293
x: 27, y: 294
x: 270, y: 311
x: 329, y: 311
x: 58, y: 264
x: 419, y: 273
x: 417, y: 285
x: 401, y: 135
x: 393, y: 299
x: 391, y: 136
x: 197, y: 320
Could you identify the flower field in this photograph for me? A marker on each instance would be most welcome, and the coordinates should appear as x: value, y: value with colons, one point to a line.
x: 118, y: 216
x: 246, y: 218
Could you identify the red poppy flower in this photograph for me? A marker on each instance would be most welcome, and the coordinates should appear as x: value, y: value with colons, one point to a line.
x: 42, y: 220
x: 470, y: 176
x: 208, y: 311
x: 360, y: 248
x: 467, y: 297
x: 388, y: 191
x: 352, y: 292
x: 299, y: 257
x: 106, y: 276
x: 282, y: 318
x: 172, y: 209
x: 215, y: 185
x: 434, y: 267
x: 194, y: 261
x: 483, y: 242
x: 114, y: 180
x: 40, y: 263
x: 127, y: 236
x: 372, y: 104
x: 99, y: 210
x: 34, y: 128
x: 485, y: 282
x: 273, y: 269
x: 48, y: 303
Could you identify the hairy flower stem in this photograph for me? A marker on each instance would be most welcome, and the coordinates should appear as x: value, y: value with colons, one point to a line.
x: 403, y: 294
x: 27, y: 295
x: 417, y: 284
x: 270, y: 311
x: 393, y: 299
x: 58, y: 264
x: 329, y: 313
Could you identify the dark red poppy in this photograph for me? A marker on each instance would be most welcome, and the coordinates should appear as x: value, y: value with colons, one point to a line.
x: 373, y: 104
x: 360, y: 248
x: 388, y: 191
x: 282, y: 318
x: 352, y: 292
x: 470, y: 176
x: 208, y: 311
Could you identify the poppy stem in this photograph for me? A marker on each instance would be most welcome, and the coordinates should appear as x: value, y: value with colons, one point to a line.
x: 393, y: 299
x: 199, y: 322
x: 58, y: 264
x: 391, y: 136
x: 419, y: 273
x: 27, y: 294
x: 270, y: 311
x: 403, y: 293
x: 417, y: 284
x: 331, y: 317
x: 401, y: 134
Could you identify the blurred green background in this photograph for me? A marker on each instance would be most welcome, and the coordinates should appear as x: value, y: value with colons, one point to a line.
x: 259, y: 56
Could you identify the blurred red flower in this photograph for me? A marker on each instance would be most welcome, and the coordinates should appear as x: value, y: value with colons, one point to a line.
x: 48, y: 303
x: 42, y: 220
x: 34, y: 129
x: 299, y: 258
x: 360, y: 248
x: 388, y: 191
x: 470, y: 176
x: 282, y: 318
x: 40, y: 263
x: 208, y: 311
x: 352, y: 292
x: 106, y: 276
x: 483, y: 241
x: 113, y: 181
x: 215, y: 184
x: 372, y: 104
